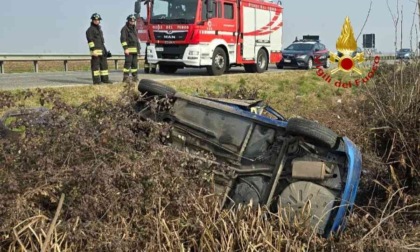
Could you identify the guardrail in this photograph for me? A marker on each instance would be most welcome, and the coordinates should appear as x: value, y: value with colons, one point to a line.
x: 35, y: 58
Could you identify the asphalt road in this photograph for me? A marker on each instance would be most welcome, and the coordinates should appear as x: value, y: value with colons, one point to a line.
x: 62, y: 79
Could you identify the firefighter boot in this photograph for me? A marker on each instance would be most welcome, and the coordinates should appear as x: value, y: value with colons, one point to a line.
x: 96, y: 80
x: 135, y: 79
x: 126, y: 78
x: 105, y: 79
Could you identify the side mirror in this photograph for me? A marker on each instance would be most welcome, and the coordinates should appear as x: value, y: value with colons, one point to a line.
x: 209, y: 5
x: 137, y: 7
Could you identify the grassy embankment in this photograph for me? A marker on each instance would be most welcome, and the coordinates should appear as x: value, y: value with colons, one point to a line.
x: 123, y: 190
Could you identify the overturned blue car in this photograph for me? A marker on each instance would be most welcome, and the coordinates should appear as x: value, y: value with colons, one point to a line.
x: 287, y: 165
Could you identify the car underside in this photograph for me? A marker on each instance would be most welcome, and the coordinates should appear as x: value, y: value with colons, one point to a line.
x: 288, y: 165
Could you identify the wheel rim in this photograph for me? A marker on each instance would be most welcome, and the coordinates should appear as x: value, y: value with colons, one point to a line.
x: 310, y: 64
x: 328, y: 63
x: 261, y: 61
x: 219, y: 61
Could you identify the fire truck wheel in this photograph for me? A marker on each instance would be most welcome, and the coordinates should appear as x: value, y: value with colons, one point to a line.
x: 167, y: 69
x: 218, y: 65
x: 262, y: 61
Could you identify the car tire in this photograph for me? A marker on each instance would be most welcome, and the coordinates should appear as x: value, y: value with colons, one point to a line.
x: 155, y: 88
x: 219, y: 62
x: 167, y: 69
x: 313, y: 132
x: 310, y: 64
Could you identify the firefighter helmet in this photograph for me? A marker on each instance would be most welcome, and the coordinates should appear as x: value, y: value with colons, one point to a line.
x: 131, y: 17
x: 96, y: 16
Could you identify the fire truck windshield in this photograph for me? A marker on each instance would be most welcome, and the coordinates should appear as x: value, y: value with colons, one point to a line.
x: 173, y: 11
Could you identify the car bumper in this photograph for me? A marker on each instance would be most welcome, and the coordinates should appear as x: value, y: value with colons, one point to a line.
x: 293, y: 62
x: 348, y: 197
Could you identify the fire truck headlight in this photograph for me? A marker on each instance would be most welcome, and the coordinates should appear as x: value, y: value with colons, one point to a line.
x: 302, y: 56
x: 149, y: 51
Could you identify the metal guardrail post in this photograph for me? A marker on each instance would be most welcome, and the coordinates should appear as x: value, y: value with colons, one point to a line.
x: 2, y: 67
x: 66, y: 67
x: 116, y: 64
x: 36, y: 66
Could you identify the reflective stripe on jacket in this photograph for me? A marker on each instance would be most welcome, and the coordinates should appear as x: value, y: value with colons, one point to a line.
x: 95, y: 39
x: 129, y: 39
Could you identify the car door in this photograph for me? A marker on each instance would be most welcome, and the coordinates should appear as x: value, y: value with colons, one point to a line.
x: 318, y: 55
x: 322, y: 53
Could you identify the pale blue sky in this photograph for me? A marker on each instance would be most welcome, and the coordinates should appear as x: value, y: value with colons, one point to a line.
x: 58, y: 26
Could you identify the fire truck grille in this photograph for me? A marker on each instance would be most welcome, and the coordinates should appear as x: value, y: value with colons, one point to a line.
x: 171, y: 51
x: 170, y: 36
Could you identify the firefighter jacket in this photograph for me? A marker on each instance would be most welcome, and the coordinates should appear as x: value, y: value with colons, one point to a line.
x: 96, y: 40
x: 129, y: 39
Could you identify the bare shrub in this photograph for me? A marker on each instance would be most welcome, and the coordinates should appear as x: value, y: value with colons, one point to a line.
x: 391, y: 112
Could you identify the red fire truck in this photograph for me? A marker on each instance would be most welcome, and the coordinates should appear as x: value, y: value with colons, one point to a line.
x: 215, y: 34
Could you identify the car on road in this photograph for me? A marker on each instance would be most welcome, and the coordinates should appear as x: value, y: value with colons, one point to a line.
x: 405, y: 54
x: 286, y: 164
x: 302, y: 54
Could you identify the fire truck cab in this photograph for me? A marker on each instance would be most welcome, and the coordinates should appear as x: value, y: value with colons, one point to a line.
x: 215, y: 34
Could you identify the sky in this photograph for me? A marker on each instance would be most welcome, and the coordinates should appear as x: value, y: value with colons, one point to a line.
x: 59, y: 26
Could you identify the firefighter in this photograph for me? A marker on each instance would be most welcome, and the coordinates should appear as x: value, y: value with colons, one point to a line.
x: 96, y: 42
x: 131, y: 46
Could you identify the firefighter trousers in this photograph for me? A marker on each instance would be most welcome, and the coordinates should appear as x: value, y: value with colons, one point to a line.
x: 131, y: 65
x: 99, y: 66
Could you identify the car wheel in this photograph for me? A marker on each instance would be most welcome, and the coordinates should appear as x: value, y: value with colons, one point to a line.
x: 218, y: 66
x: 155, y: 88
x: 302, y: 197
x: 310, y: 63
x: 167, y: 69
x: 262, y: 61
x: 313, y: 132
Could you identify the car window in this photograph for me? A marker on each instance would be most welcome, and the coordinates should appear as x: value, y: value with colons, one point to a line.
x: 322, y: 47
x: 300, y: 47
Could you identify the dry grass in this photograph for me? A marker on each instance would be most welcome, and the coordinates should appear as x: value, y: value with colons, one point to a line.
x: 291, y: 92
x: 55, y: 66
x: 126, y: 192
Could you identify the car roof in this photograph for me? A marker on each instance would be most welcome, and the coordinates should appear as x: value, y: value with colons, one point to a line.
x: 305, y: 42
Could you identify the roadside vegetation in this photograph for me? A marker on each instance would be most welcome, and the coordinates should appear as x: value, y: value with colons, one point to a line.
x: 91, y: 176
x: 55, y: 66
